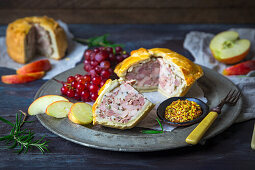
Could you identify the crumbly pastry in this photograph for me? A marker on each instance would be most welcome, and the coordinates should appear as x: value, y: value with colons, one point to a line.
x: 27, y: 36
x: 119, y: 105
x: 159, y: 69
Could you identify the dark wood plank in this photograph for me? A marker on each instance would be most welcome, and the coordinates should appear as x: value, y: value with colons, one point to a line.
x: 124, y: 4
x: 134, y: 16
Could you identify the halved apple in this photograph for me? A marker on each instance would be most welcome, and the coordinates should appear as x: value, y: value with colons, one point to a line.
x: 40, y: 104
x: 40, y: 65
x: 18, y: 79
x: 81, y: 113
x: 228, y: 48
x: 59, y: 109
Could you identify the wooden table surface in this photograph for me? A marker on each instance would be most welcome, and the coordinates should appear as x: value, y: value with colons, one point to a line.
x: 228, y: 150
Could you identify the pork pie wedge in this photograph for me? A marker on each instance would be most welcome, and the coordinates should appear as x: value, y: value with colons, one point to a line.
x: 119, y: 105
x: 27, y: 36
x: 159, y: 69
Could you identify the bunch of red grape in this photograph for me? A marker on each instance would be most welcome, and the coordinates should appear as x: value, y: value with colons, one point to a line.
x: 98, y: 64
x: 100, y: 61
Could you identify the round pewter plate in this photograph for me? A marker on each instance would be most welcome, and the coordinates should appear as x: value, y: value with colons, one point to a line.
x: 214, y: 85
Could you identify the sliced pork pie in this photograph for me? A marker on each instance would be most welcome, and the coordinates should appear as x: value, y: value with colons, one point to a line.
x: 159, y: 69
x: 119, y: 105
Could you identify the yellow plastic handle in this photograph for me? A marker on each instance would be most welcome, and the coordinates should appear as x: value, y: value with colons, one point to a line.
x: 253, y: 139
x: 195, y: 136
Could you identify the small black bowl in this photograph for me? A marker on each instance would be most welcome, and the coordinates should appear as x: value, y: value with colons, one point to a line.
x: 162, y: 107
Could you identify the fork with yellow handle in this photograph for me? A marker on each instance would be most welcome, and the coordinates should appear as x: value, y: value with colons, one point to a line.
x: 195, y: 136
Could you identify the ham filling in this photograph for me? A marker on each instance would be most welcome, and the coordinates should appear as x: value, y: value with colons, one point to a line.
x: 38, y: 41
x: 121, y: 105
x: 145, y: 74
x: 168, y: 81
x: 155, y: 73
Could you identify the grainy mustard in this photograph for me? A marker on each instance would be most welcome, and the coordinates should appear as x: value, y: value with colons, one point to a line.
x: 182, y: 111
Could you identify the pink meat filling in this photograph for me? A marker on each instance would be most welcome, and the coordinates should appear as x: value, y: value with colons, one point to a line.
x: 121, y: 105
x: 168, y: 81
x: 145, y: 74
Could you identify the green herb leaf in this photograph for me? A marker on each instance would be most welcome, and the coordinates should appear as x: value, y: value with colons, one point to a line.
x: 154, y: 131
x: 99, y: 41
x: 151, y: 131
x: 23, y: 140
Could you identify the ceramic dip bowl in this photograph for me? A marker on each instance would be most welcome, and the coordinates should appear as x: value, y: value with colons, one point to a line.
x: 162, y: 107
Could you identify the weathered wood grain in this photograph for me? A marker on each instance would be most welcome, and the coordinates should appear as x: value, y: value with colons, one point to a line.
x: 136, y: 16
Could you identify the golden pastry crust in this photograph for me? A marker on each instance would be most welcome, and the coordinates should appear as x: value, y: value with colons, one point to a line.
x: 190, y: 70
x: 108, y: 86
x: 17, y: 31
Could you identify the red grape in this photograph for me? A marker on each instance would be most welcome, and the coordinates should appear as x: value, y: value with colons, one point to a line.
x: 64, y: 90
x: 118, y: 49
x: 92, y: 56
x: 105, y: 64
x: 74, y: 84
x: 77, y: 96
x: 96, y: 50
x: 111, y: 57
x: 81, y: 80
x: 92, y: 73
x: 102, y: 82
x: 93, y: 63
x: 105, y: 74
x: 87, y: 54
x: 77, y: 76
x: 70, y: 93
x: 87, y: 67
x: 98, y: 69
x: 79, y: 91
x: 101, y: 48
x: 96, y: 80
x: 119, y: 58
x: 85, y: 94
x: 86, y: 62
x: 93, y: 88
x: 102, y: 55
x: 87, y: 84
x: 93, y: 96
x: 80, y: 86
x: 70, y: 79
x: 109, y: 49
x: 87, y: 78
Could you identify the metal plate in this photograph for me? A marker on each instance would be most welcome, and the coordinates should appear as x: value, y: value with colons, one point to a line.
x: 215, y: 87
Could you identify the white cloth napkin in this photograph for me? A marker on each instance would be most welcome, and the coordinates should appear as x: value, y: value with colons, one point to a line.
x: 198, y: 45
x: 74, y: 55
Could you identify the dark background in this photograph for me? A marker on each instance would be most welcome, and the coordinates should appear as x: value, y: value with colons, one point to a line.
x: 132, y: 11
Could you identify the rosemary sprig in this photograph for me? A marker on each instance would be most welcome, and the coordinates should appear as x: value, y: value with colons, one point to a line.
x: 154, y: 131
x: 99, y: 41
x: 23, y: 140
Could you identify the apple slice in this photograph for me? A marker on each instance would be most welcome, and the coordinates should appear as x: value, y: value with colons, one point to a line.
x: 40, y: 104
x: 240, y: 69
x: 18, y: 79
x: 81, y: 113
x: 59, y: 109
x: 228, y: 48
x: 40, y: 65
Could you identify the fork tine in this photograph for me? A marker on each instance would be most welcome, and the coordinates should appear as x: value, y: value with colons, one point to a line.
x: 228, y: 95
x: 231, y: 95
x: 236, y: 97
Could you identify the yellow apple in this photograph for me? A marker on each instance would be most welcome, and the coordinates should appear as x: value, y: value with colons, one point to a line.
x: 81, y: 113
x: 40, y: 104
x: 59, y: 109
x: 228, y: 48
